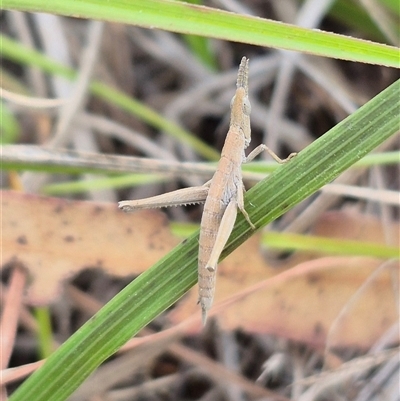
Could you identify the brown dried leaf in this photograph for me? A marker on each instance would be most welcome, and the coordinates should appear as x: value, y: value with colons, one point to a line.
x: 56, y: 238
x: 301, y: 299
x: 349, y: 224
x: 303, y: 302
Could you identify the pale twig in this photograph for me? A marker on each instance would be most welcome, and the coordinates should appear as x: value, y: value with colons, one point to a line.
x: 31, y: 102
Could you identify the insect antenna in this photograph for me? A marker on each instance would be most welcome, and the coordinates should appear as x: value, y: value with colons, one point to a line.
x: 243, y: 74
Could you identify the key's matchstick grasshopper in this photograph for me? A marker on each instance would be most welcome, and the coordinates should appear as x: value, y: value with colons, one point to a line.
x: 222, y: 195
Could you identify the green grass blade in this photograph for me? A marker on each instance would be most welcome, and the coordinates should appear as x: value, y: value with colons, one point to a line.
x: 165, y: 282
x: 327, y: 157
x: 393, y: 5
x: 355, y: 16
x: 200, y: 45
x: 45, y: 333
x: 376, y: 159
x: 186, y: 18
x: 9, y: 126
x: 329, y: 246
x: 151, y: 117
x: 73, y: 187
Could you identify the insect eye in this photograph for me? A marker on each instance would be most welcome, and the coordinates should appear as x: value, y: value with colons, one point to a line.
x: 246, y: 106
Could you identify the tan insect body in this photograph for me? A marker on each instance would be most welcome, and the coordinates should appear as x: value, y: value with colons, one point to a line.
x: 223, y: 194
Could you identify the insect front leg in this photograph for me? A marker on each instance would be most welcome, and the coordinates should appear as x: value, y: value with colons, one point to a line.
x: 260, y: 148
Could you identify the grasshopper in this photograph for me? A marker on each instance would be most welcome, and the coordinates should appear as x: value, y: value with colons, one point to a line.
x: 222, y: 195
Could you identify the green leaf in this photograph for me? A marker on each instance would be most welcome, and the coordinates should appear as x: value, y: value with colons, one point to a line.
x: 333, y: 246
x: 9, y: 127
x: 45, y: 333
x: 200, y: 45
x: 165, y: 282
x: 180, y: 17
x: 354, y: 16
x: 131, y: 180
